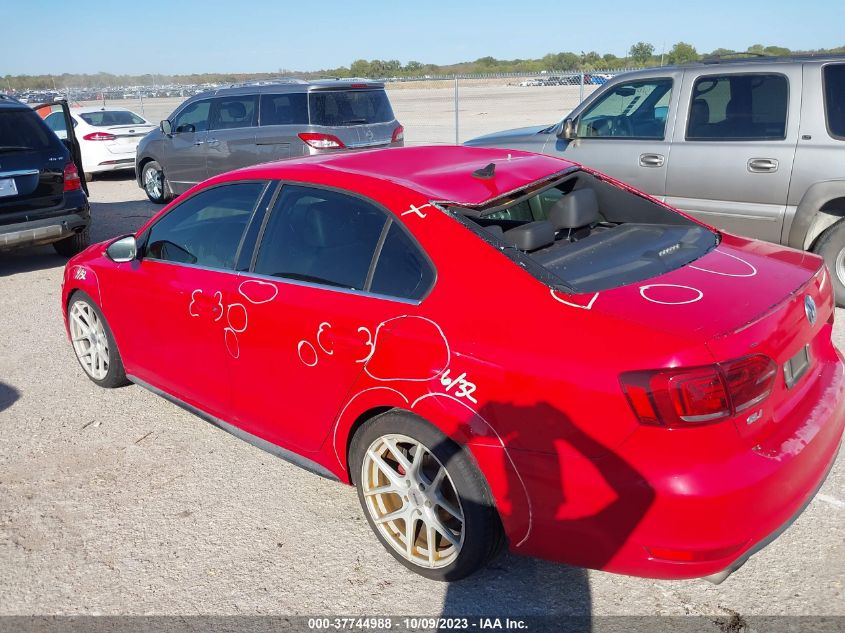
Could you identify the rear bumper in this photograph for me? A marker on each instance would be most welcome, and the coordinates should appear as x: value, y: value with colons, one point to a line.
x: 43, y: 231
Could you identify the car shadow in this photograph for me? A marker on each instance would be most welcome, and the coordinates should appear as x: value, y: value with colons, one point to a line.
x: 8, y: 395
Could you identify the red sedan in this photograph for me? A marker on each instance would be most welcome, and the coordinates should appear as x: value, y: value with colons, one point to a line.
x: 492, y: 347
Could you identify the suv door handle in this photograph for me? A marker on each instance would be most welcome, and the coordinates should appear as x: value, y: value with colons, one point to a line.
x: 762, y: 165
x: 199, y: 142
x: 213, y: 142
x: 652, y: 160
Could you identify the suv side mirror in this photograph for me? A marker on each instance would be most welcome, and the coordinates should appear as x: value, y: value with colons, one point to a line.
x: 123, y: 249
x: 166, y: 127
x: 567, y: 130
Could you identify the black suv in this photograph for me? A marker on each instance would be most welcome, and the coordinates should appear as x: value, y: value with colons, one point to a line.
x: 42, y: 187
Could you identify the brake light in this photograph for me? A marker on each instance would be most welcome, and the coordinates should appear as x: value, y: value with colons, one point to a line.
x: 99, y: 136
x: 699, y: 395
x: 398, y: 135
x: 322, y: 141
x: 71, y: 175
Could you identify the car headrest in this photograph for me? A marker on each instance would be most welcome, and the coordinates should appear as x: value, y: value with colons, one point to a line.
x: 531, y: 236
x: 236, y: 110
x: 576, y: 209
x: 699, y: 113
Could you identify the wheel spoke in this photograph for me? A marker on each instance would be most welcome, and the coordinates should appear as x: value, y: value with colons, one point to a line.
x: 382, y: 490
x: 394, y: 477
x: 431, y: 542
x: 399, y: 455
x: 410, y: 525
x: 445, y: 532
x: 446, y: 505
x: 82, y: 325
x: 393, y: 516
x: 438, y: 479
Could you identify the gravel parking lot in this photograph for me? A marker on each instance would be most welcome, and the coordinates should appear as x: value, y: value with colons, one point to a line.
x: 117, y: 502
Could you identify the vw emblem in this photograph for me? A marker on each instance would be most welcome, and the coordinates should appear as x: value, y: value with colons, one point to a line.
x: 810, y: 309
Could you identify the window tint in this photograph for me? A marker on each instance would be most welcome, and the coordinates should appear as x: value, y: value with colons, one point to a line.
x: 111, y: 117
x: 634, y: 110
x: 194, y: 118
x: 56, y: 122
x: 289, y: 109
x: 349, y: 107
x: 234, y: 112
x: 401, y: 271
x: 320, y: 236
x: 205, y: 229
x: 22, y: 129
x: 738, y: 107
x: 834, y: 98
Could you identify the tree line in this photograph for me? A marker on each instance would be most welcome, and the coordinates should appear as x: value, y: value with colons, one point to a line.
x: 641, y: 54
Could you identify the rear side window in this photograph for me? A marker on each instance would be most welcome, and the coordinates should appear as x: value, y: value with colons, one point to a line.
x: 337, y: 108
x: 738, y: 108
x: 194, y: 118
x: 205, y: 229
x: 288, y: 109
x: 22, y: 130
x: 113, y: 117
x: 834, y: 99
x: 402, y: 270
x: 234, y: 112
x: 320, y: 236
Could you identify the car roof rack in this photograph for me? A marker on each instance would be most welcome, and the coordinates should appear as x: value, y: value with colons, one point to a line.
x: 740, y: 57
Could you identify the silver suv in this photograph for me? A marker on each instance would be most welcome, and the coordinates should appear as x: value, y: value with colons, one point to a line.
x: 225, y: 129
x: 755, y: 146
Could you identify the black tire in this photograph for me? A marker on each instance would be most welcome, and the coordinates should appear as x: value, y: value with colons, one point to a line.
x: 482, y: 528
x: 74, y: 244
x: 831, y: 247
x: 115, y: 375
x: 151, y: 174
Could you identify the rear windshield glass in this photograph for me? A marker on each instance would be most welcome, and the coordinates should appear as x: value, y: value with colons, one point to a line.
x: 337, y: 108
x: 21, y: 130
x: 834, y: 98
x: 111, y: 117
x: 583, y: 234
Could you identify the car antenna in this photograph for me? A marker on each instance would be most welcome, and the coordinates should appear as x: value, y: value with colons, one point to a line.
x: 485, y: 173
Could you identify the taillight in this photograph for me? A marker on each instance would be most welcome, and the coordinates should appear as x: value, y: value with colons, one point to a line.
x: 398, y: 135
x: 322, y: 141
x: 99, y: 136
x: 699, y: 395
x: 72, y: 181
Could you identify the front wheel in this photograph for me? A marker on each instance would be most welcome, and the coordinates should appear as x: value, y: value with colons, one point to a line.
x: 831, y: 247
x: 93, y: 342
x: 152, y: 176
x: 424, y: 497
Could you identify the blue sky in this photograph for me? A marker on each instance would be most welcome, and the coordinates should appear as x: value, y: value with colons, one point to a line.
x: 183, y: 36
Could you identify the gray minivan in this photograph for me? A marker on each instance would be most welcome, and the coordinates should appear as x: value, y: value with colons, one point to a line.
x: 755, y: 146
x: 234, y: 127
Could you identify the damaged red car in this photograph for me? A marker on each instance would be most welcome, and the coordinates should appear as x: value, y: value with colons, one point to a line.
x: 496, y: 349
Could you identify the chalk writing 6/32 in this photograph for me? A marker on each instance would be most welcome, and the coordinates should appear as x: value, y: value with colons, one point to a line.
x: 463, y: 387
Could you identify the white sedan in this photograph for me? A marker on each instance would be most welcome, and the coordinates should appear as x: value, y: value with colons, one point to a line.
x: 108, y: 136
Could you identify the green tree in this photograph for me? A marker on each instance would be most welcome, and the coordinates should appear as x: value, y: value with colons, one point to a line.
x: 683, y: 53
x: 641, y: 52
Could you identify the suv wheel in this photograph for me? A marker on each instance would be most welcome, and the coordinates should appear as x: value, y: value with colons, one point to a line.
x: 831, y: 246
x: 93, y: 342
x: 74, y: 244
x: 154, y: 186
x: 424, y: 497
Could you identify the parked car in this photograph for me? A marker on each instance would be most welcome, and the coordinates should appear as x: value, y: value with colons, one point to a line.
x: 108, y: 136
x: 42, y: 184
x: 754, y: 146
x: 229, y: 128
x: 348, y: 312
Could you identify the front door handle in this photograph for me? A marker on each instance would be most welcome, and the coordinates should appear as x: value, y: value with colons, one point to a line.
x: 763, y: 165
x: 213, y: 142
x: 652, y: 160
x: 199, y: 142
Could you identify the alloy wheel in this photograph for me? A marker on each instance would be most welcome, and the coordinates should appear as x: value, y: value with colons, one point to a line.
x: 153, y: 182
x: 89, y: 340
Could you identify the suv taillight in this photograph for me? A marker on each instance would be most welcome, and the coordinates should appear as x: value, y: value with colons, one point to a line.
x: 99, y: 136
x: 699, y: 395
x: 398, y: 135
x: 72, y: 181
x: 322, y: 141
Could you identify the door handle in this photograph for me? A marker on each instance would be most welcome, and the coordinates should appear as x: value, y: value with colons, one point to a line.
x: 652, y: 160
x: 762, y: 165
x: 199, y: 142
x: 213, y: 142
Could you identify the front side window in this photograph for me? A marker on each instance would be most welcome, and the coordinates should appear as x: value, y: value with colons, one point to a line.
x: 635, y: 109
x: 320, y: 236
x: 287, y: 109
x: 834, y: 99
x: 738, y: 108
x: 194, y: 118
x: 205, y: 229
x: 234, y: 112
x: 338, y: 108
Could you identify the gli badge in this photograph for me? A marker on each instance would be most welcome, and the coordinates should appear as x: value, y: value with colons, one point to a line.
x: 810, y: 309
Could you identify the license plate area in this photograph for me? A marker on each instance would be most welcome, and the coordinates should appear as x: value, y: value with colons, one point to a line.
x: 8, y: 187
x: 796, y: 366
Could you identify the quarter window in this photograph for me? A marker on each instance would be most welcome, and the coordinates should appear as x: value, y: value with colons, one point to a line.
x: 738, y: 108
x: 834, y: 99
x: 287, y: 109
x: 234, y: 112
x: 205, y: 229
x: 635, y: 109
x: 194, y: 118
x: 402, y: 270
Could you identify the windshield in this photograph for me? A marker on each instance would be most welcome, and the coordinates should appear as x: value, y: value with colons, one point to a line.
x: 22, y: 130
x: 105, y: 118
x: 338, y: 108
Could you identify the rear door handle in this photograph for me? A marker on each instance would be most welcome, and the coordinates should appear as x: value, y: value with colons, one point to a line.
x: 213, y: 142
x: 763, y: 165
x: 652, y: 160
x: 199, y: 142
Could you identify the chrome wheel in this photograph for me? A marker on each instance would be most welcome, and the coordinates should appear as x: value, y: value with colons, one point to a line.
x: 412, y: 501
x: 839, y: 268
x: 153, y: 182
x: 89, y: 339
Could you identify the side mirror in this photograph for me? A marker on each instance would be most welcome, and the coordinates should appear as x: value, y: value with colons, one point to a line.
x: 567, y: 130
x: 166, y: 127
x: 123, y: 249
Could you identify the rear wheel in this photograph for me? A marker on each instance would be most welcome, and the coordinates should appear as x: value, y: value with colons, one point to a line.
x: 74, y: 244
x: 831, y: 246
x: 93, y: 342
x: 424, y: 497
x: 152, y: 177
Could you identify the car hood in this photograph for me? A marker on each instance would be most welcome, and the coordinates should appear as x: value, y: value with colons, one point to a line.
x: 506, y: 136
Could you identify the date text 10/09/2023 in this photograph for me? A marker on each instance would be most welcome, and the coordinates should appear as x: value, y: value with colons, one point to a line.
x: 376, y: 624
